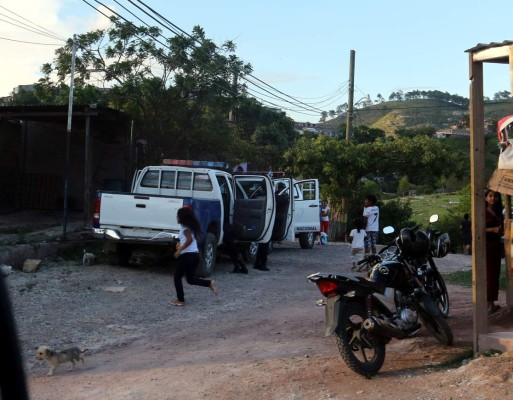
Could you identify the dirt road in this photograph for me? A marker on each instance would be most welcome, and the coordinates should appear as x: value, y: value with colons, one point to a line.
x: 260, y: 338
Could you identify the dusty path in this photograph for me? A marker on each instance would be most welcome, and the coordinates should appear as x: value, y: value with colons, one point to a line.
x: 260, y: 338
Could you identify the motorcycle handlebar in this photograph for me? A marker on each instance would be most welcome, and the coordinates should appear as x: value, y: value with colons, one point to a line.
x: 369, y: 259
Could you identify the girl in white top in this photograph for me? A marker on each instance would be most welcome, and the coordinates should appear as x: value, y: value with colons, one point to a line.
x: 357, y: 239
x: 187, y: 255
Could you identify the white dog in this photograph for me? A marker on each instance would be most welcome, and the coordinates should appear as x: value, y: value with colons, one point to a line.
x: 88, y: 258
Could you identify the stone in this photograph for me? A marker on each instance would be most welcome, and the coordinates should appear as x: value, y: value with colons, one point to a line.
x: 31, y: 265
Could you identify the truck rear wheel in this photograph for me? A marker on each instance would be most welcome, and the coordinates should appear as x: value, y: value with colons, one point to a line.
x: 208, y: 256
x: 306, y: 240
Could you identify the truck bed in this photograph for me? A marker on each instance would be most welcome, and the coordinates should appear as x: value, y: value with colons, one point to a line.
x: 131, y: 210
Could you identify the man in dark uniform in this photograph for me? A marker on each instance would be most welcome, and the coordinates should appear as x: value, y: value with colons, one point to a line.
x: 282, y: 202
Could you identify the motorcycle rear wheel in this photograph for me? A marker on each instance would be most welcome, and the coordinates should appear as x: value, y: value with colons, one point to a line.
x: 362, y: 352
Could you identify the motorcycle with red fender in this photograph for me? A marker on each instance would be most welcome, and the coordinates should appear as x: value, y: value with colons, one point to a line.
x: 366, y: 313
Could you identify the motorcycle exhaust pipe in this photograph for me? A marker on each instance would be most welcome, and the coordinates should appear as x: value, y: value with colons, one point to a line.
x: 383, y: 328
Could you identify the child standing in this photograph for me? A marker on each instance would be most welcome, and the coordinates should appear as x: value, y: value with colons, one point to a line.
x: 357, y: 239
x: 188, y: 256
x: 371, y: 220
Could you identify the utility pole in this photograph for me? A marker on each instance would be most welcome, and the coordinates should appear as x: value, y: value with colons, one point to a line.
x: 68, y: 137
x: 231, y: 116
x: 349, y: 115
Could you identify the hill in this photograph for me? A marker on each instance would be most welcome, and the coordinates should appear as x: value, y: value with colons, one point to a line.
x: 393, y: 115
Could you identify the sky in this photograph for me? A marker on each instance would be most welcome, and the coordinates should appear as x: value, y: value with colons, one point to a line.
x: 300, y: 48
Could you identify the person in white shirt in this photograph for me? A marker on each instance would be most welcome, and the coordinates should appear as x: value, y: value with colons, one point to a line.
x: 371, y: 218
x: 357, y: 239
x: 188, y: 256
x: 325, y: 219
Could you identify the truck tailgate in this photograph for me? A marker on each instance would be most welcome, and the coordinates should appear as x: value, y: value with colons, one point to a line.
x: 133, y: 210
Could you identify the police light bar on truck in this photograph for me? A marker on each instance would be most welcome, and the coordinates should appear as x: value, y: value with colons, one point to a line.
x: 198, y: 164
x: 271, y: 174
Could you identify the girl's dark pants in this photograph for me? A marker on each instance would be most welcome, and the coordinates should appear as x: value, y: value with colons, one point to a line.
x: 186, y: 265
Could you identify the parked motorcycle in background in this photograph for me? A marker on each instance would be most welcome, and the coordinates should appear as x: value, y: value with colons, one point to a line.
x: 365, y: 313
x: 424, y: 264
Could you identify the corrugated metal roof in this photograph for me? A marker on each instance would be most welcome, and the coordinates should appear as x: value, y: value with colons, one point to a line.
x: 59, y: 113
x: 105, y: 120
x: 483, y: 46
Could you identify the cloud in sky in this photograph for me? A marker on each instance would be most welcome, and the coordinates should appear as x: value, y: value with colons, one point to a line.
x: 23, y: 22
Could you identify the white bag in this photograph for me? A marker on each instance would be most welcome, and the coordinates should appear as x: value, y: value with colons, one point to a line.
x: 506, y: 157
x: 324, y: 238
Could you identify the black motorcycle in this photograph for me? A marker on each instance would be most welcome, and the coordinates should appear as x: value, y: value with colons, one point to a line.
x: 365, y: 313
x: 423, y: 264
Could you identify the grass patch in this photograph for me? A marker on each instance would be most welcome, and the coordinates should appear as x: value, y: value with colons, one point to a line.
x: 456, y: 360
x: 464, y: 278
x: 424, y: 206
x: 460, y: 278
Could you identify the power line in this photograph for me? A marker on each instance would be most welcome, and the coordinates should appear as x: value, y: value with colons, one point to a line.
x: 311, y: 108
x: 22, y: 41
x: 29, y: 29
x: 180, y: 32
x: 56, y: 36
x: 254, y: 77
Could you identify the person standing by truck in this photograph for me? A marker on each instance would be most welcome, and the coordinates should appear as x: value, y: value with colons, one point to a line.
x: 325, y: 217
x: 232, y: 248
x: 282, y: 202
x: 188, y: 255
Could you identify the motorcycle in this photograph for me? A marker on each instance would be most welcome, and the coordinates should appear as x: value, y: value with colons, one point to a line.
x: 424, y: 264
x: 366, y: 313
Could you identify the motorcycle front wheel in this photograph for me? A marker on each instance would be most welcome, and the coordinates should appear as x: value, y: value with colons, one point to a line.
x: 364, y: 353
x: 436, y: 288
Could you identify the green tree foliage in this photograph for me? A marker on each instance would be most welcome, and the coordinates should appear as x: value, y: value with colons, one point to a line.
x: 502, y: 95
x: 364, y: 134
x: 428, y: 131
x: 24, y: 97
x: 179, y: 91
x: 394, y: 213
x: 341, y: 165
x: 403, y: 186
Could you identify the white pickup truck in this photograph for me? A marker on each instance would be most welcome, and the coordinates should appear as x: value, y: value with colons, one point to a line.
x: 146, y: 217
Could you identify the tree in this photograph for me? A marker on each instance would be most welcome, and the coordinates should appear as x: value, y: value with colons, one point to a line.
x: 404, y: 186
x: 24, y: 97
x: 503, y: 95
x: 341, y: 165
x: 364, y: 134
x: 178, y: 90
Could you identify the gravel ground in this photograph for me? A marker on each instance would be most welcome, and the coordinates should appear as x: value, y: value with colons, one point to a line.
x: 260, y: 338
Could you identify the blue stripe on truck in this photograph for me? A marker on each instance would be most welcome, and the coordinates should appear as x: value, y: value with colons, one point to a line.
x: 210, y: 212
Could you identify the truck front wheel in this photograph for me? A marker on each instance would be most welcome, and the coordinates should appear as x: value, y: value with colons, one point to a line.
x: 208, y: 256
x: 306, y: 240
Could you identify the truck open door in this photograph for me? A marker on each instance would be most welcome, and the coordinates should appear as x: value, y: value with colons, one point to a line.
x: 307, y: 217
x: 284, y: 212
x: 254, y: 208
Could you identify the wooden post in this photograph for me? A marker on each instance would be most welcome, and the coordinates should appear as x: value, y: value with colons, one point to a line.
x: 508, y: 234
x: 87, y: 174
x: 478, y: 203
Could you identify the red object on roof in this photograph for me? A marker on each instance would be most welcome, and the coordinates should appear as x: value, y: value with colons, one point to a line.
x: 504, y: 123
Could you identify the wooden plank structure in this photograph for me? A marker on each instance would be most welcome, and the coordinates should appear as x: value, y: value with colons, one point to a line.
x: 501, y: 53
